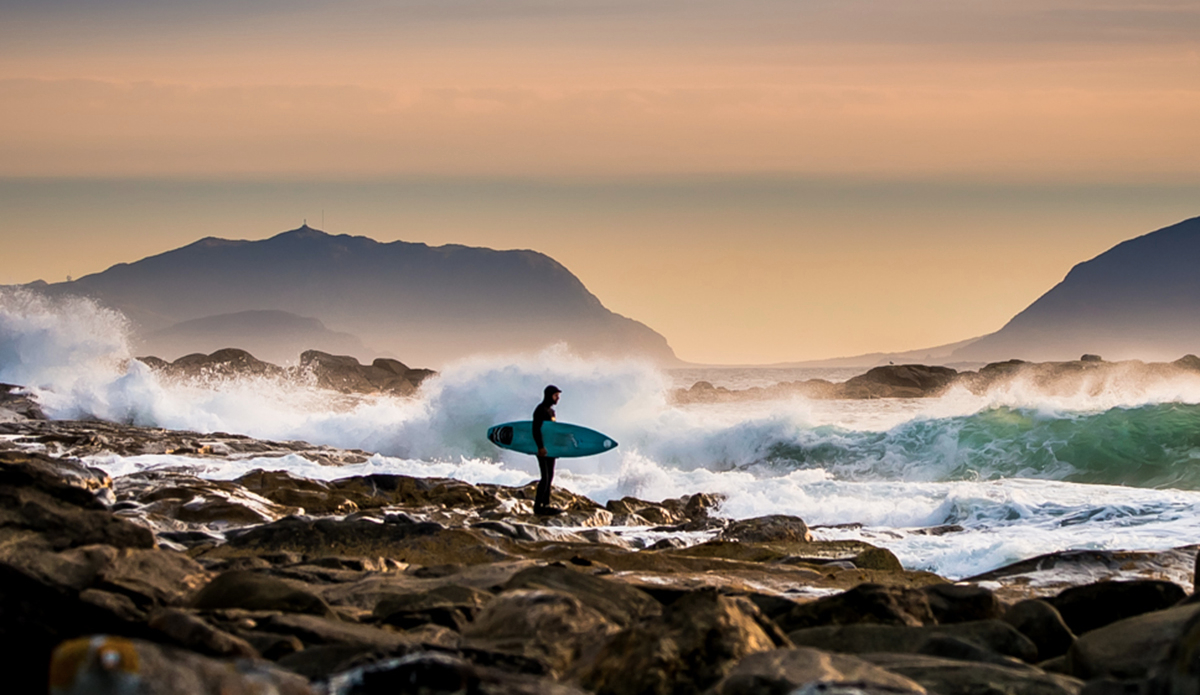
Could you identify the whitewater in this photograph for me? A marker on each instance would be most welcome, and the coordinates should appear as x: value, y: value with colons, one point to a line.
x: 1007, y: 475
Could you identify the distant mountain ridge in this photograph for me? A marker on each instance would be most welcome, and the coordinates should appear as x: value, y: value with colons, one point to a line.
x: 427, y: 305
x: 1138, y: 300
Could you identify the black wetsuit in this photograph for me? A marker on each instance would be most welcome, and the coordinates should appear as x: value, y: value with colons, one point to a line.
x: 542, y: 413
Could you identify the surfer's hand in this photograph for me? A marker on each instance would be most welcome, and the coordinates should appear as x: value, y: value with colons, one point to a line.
x: 542, y: 451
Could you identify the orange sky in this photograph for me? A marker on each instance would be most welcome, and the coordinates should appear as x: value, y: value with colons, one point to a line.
x: 996, y: 115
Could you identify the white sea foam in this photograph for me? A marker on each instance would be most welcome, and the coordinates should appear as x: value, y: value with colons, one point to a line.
x: 890, y: 465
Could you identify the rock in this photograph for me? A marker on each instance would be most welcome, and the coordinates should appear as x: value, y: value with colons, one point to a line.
x: 1179, y: 672
x: 695, y: 644
x: 960, y: 603
x: 993, y: 635
x: 617, y: 602
x: 1130, y: 648
x: 107, y: 664
x: 899, y: 381
x: 190, y: 631
x: 253, y: 591
x: 1041, y: 623
x: 788, y: 670
x: 451, y: 606
x: 550, y: 626
x: 767, y: 529
x: 414, y: 543
x: 224, y: 363
x: 946, y: 676
x: 318, y: 630
x: 153, y: 577
x: 52, y: 504
x: 431, y: 673
x: 344, y: 373
x: 1085, y: 608
x: 865, y: 603
x: 17, y: 404
x: 313, y: 496
x: 877, y: 559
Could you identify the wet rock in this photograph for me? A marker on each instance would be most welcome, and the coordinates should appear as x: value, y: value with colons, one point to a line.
x: 224, y: 363
x: 451, y: 606
x: 190, y: 631
x: 939, y: 675
x: 345, y: 374
x: 1041, y: 623
x: 17, y: 404
x: 550, y: 626
x: 617, y: 602
x: 631, y: 507
x: 313, y: 496
x: 992, y: 635
x: 787, y: 670
x: 1130, y: 648
x: 960, y: 603
x: 899, y: 381
x: 318, y: 630
x: 253, y: 591
x: 1085, y: 608
x: 767, y: 529
x: 432, y: 673
x: 152, y: 578
x: 152, y: 669
x: 695, y: 644
x: 865, y: 603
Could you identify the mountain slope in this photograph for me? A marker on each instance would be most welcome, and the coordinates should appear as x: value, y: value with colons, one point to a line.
x: 1138, y: 300
x: 426, y: 304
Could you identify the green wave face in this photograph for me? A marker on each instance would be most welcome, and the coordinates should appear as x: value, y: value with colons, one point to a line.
x: 1155, y: 446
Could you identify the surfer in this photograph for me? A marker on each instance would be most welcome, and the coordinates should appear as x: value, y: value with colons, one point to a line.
x: 542, y: 413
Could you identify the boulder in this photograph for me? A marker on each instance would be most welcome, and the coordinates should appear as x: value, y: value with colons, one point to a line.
x: 695, y: 644
x: 152, y: 578
x: 225, y: 363
x: 939, y: 675
x: 865, y: 603
x: 549, y: 626
x: 192, y: 632
x: 788, y: 670
x: 960, y: 603
x: 768, y: 529
x: 619, y: 603
x: 254, y: 591
x: 1085, y: 608
x: 899, y: 381
x: 993, y: 635
x: 1041, y: 623
x: 1130, y: 648
x: 133, y: 665
x: 451, y: 606
x: 432, y: 672
x: 317, y: 630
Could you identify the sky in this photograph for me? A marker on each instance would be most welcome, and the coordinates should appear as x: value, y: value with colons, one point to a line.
x: 760, y: 181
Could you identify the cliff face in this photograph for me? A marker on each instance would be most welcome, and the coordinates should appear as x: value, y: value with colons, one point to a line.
x: 428, y: 304
x: 1138, y: 300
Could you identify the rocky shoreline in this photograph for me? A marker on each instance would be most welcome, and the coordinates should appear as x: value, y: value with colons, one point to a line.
x: 388, y: 583
x: 1089, y: 375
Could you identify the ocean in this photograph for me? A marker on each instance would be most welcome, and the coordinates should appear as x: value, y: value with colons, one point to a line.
x: 1014, y: 473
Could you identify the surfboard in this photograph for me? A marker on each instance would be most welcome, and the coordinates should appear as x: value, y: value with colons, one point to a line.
x: 562, y: 440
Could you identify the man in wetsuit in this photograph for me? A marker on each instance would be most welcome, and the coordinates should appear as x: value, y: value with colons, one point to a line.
x: 542, y: 413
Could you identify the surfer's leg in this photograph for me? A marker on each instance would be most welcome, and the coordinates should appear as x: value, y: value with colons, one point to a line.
x: 542, y: 498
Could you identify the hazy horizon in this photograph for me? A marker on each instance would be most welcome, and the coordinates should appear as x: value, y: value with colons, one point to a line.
x: 760, y: 183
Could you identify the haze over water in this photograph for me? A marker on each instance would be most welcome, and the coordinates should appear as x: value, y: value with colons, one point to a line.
x: 1021, y: 473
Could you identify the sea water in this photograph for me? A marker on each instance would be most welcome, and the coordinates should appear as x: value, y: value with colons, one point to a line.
x: 1022, y: 473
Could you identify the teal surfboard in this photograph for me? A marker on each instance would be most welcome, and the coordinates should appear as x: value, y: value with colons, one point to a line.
x: 562, y: 440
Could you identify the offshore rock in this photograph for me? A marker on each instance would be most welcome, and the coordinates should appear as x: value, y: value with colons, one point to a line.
x: 788, y: 670
x: 899, y: 381
x: 695, y: 644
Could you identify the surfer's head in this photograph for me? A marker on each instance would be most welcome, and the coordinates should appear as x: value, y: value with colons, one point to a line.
x: 551, y: 393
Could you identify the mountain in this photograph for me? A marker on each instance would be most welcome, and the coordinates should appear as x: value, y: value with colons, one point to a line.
x: 426, y: 305
x: 1138, y: 300
x: 270, y: 335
